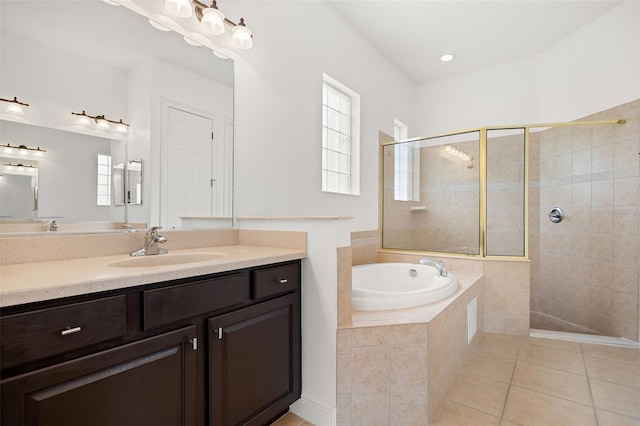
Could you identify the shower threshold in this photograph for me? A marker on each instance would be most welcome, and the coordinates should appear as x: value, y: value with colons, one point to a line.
x: 583, y: 338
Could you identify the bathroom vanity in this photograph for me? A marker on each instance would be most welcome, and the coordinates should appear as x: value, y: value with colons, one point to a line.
x: 220, y: 348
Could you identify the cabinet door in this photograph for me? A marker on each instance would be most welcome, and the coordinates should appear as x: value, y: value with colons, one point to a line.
x: 149, y: 382
x: 255, y: 362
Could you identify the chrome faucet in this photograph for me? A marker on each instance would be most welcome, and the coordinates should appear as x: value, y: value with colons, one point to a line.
x: 442, y: 271
x: 151, y: 241
x: 53, y: 225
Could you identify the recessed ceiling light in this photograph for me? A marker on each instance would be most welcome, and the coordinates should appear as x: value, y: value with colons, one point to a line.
x: 446, y: 58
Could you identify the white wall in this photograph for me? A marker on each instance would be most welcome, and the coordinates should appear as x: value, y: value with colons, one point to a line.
x: 278, y: 94
x: 593, y: 69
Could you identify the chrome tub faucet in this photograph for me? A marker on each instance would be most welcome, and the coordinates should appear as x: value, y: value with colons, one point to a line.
x: 442, y: 271
x: 151, y: 243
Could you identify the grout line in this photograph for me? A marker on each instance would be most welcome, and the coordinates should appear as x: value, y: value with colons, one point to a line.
x: 593, y: 402
x: 515, y: 364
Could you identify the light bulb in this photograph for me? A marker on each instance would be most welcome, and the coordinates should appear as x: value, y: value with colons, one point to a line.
x: 212, y: 21
x: 121, y: 128
x: 181, y: 8
x: 241, y: 36
x: 38, y: 153
x: 8, y: 150
x: 102, y: 124
x: 15, y: 109
x: 84, y: 121
x: 446, y: 58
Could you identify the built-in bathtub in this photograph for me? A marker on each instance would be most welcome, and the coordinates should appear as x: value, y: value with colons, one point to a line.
x: 381, y: 286
x: 392, y: 359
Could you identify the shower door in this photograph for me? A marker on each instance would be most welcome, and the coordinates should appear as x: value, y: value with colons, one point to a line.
x: 584, y: 262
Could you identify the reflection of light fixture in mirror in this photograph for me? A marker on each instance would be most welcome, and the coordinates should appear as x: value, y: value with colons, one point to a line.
x: 9, y: 150
x: 20, y: 168
x: 14, y: 106
x: 101, y: 123
x: 158, y: 26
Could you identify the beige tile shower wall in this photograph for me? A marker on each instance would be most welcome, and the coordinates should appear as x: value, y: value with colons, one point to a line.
x: 449, y: 197
x: 585, y: 269
x: 506, y: 289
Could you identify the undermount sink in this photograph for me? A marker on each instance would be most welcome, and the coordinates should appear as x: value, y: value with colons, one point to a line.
x: 165, y: 259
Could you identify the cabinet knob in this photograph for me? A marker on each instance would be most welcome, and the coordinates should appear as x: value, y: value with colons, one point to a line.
x: 70, y: 330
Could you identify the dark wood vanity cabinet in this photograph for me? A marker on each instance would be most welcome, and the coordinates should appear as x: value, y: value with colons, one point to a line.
x: 222, y: 349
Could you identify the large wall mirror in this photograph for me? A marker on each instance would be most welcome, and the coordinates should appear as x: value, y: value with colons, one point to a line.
x: 73, y: 56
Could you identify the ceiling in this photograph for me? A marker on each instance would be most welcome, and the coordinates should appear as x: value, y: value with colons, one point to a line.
x: 414, y: 34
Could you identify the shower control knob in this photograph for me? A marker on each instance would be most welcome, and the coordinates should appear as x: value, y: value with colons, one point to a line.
x: 556, y: 215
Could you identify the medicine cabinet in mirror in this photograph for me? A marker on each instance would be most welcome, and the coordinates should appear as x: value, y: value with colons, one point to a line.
x: 73, y: 56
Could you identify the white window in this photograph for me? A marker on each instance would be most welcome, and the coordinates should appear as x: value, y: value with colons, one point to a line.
x: 104, y: 180
x: 407, y: 166
x: 340, y: 138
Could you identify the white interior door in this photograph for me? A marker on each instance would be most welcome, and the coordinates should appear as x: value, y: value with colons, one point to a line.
x: 189, y: 166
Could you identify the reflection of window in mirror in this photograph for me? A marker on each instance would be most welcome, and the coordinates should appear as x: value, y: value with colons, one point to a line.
x: 104, y: 180
x: 407, y: 166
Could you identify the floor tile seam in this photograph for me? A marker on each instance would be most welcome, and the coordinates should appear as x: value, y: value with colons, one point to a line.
x: 608, y: 380
x: 617, y: 413
x: 618, y: 384
x: 592, y: 405
x: 509, y: 385
x: 633, y: 364
x: 556, y: 368
x: 551, y: 368
x: 593, y: 401
x: 472, y: 408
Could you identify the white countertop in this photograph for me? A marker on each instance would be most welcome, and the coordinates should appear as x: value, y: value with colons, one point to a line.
x: 37, y: 281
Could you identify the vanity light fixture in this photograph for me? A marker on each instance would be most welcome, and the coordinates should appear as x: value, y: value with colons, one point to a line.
x: 101, y: 122
x: 15, y: 106
x: 29, y: 168
x: 212, y: 20
x: 22, y: 150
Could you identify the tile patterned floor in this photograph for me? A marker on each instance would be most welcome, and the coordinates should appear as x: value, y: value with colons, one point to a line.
x: 514, y: 380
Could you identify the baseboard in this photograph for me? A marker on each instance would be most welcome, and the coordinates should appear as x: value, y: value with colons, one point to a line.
x: 313, y: 412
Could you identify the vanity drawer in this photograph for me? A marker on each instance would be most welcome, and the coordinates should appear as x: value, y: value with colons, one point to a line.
x: 38, y: 334
x: 168, y: 305
x: 280, y: 279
